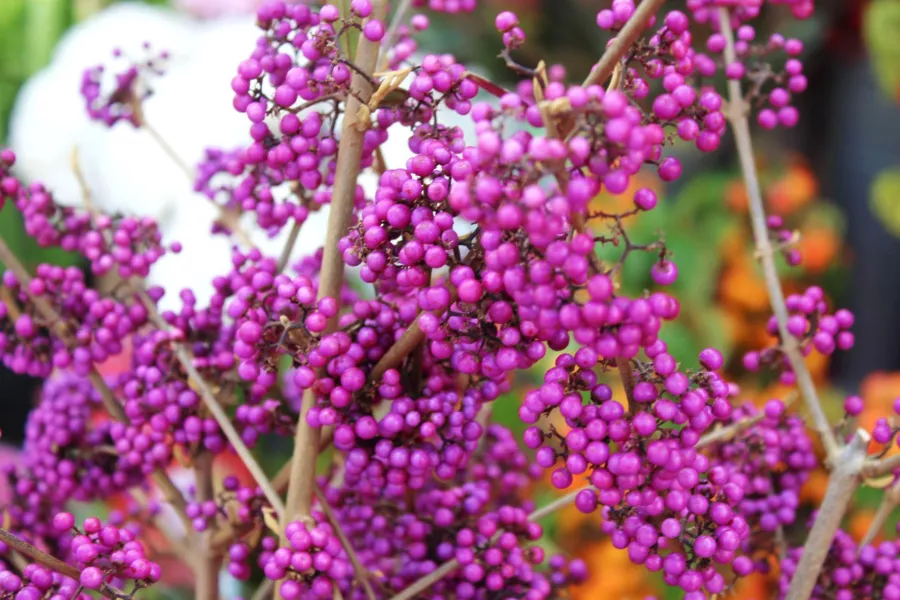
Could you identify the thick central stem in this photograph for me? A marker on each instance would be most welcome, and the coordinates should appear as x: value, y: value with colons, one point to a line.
x: 737, y: 114
x: 842, y: 484
x: 306, y: 440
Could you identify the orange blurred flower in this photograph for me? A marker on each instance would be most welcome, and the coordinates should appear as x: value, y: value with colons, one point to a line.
x: 818, y: 246
x: 612, y: 575
x: 797, y: 188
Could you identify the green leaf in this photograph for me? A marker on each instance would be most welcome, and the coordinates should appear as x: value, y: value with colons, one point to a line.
x: 45, y: 22
x: 884, y: 199
x: 12, y: 230
x: 881, y: 22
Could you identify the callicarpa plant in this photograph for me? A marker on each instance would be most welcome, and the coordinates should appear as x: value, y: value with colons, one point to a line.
x: 383, y: 352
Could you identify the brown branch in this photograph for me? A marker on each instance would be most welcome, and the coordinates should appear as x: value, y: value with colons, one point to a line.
x: 264, y: 590
x: 845, y: 478
x: 737, y: 114
x: 53, y: 563
x: 331, y: 280
x: 879, y: 468
x: 306, y: 439
x: 391, y: 35
x: 627, y: 375
x: 889, y: 502
x: 623, y: 41
x: 361, y: 573
x: 208, y: 564
x: 723, y: 434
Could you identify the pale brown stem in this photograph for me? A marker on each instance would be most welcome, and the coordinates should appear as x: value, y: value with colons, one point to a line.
x: 362, y: 575
x: 208, y: 564
x: 283, y: 476
x: 200, y: 385
x: 288, y: 247
x: 845, y: 478
x: 889, y: 502
x: 623, y: 41
x: 885, y: 466
x: 52, y: 563
x: 729, y: 431
x: 723, y: 434
x: 306, y: 439
x: 110, y: 403
x: 391, y: 36
x: 264, y: 590
x: 737, y: 114
x: 625, y: 372
x: 448, y: 567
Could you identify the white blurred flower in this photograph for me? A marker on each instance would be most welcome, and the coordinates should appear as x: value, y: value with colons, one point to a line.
x: 125, y: 169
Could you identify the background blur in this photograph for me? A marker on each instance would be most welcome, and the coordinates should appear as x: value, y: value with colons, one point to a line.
x: 835, y: 178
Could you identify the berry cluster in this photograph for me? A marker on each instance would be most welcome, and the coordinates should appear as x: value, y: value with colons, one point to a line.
x: 478, y: 259
x: 94, y: 326
x: 119, y: 97
x: 130, y: 245
x: 811, y: 325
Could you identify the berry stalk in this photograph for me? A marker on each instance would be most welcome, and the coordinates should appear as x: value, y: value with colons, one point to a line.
x: 623, y: 41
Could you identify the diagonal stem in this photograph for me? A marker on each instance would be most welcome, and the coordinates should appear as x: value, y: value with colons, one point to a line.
x: 737, y: 114
x: 362, y: 575
x: 844, y: 480
x: 53, y: 563
x: 623, y: 41
x: 889, y: 502
x: 215, y: 409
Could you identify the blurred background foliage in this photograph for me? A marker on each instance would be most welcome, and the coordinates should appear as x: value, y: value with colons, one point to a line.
x: 703, y: 220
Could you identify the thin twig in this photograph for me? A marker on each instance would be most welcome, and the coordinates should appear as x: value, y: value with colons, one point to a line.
x: 737, y: 114
x: 623, y: 41
x: 723, y: 434
x: 885, y: 466
x: 306, y: 439
x: 729, y: 431
x: 411, y: 338
x: 208, y: 564
x: 889, y: 502
x: 845, y: 478
x: 362, y: 575
x: 448, y: 567
x: 391, y: 36
x: 53, y: 563
x: 288, y: 247
x: 264, y: 590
